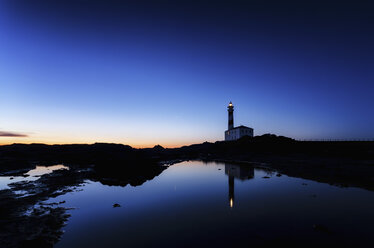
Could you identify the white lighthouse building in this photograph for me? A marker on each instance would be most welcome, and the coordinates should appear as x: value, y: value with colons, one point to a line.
x: 234, y: 133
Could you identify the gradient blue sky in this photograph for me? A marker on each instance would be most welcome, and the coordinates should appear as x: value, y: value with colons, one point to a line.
x: 145, y: 73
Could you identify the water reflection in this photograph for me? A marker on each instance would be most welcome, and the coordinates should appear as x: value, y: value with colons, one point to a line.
x: 42, y: 170
x: 31, y: 175
x: 240, y: 172
x: 188, y: 200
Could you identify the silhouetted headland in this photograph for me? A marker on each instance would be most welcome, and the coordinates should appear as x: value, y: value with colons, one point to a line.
x: 342, y: 163
x: 339, y: 163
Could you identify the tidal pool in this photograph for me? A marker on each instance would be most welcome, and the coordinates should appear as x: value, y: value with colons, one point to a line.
x: 31, y: 175
x: 218, y: 205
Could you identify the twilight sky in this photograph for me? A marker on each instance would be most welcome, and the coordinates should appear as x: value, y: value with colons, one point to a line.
x: 162, y: 72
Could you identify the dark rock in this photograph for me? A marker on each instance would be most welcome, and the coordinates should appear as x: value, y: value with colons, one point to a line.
x: 321, y: 228
x: 158, y: 148
x: 116, y: 205
x: 37, y: 242
x: 266, y: 177
x: 279, y: 175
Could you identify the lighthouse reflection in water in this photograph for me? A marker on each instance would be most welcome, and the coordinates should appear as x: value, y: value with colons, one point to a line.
x: 239, y: 172
x: 191, y: 199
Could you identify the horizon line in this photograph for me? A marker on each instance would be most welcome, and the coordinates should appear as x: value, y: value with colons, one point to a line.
x: 178, y: 146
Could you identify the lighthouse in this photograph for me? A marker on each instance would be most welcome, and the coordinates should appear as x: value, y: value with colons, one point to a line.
x: 234, y: 133
x: 234, y: 171
x: 230, y: 109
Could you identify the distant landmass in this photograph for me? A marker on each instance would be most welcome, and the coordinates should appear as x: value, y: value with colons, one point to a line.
x: 339, y: 163
x: 343, y: 163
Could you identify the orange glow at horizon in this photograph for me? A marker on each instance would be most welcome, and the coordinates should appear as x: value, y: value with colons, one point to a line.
x: 134, y: 136
x: 134, y: 144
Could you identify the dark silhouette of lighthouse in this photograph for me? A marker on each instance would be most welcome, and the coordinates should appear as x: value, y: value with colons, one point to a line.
x: 231, y: 189
x: 230, y: 109
x: 240, y: 172
x: 234, y: 133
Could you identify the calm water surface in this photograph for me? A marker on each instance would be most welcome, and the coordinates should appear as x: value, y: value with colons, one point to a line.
x: 31, y: 175
x: 216, y: 204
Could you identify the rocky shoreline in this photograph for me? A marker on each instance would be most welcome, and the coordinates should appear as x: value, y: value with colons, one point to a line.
x: 25, y: 221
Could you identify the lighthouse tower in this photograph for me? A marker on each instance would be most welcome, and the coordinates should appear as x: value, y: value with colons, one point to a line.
x: 230, y: 109
x: 234, y: 133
